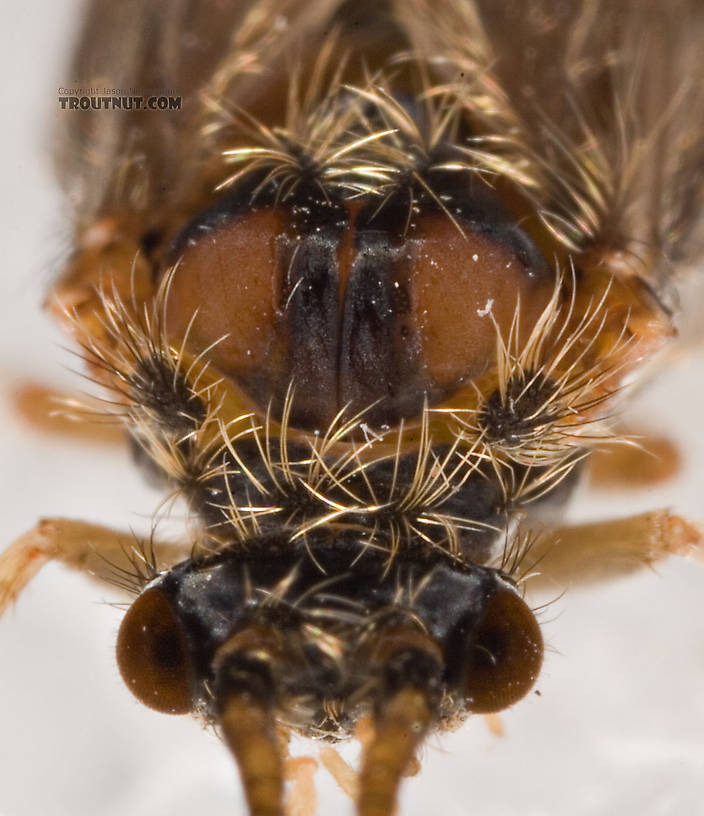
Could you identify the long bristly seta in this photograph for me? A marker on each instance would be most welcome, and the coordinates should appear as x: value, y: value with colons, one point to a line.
x: 321, y: 140
x: 188, y: 445
x: 555, y: 397
x: 334, y: 475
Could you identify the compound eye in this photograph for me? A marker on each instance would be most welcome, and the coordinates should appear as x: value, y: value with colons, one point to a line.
x: 152, y: 655
x: 505, y: 654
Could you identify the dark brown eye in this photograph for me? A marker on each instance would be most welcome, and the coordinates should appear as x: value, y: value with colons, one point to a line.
x: 505, y: 654
x: 151, y: 654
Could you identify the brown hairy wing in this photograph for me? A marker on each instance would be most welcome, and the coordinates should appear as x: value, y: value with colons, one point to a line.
x: 595, y: 109
x: 209, y: 53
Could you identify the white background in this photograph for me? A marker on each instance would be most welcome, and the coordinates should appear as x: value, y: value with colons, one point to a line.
x: 619, y: 725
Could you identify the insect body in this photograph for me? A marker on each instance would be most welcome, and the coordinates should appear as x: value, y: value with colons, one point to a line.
x: 364, y: 316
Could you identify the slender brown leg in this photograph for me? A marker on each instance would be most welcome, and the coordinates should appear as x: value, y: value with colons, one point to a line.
x: 43, y: 409
x: 342, y: 772
x: 301, y: 799
x: 104, y: 554
x: 651, y: 460
x: 584, y: 553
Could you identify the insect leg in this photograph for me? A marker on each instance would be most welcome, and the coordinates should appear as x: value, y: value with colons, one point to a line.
x: 105, y: 554
x: 653, y: 461
x: 341, y: 771
x: 301, y: 799
x: 585, y: 553
x: 45, y: 410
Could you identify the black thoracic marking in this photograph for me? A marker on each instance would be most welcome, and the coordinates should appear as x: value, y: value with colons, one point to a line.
x: 476, y: 206
x: 379, y: 349
x: 310, y: 308
x: 510, y: 235
x: 393, y: 217
x: 527, y: 406
x: 237, y: 201
x: 213, y: 596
